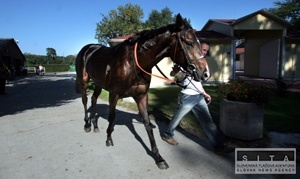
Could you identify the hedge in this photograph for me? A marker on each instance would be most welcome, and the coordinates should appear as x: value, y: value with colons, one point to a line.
x: 56, y: 67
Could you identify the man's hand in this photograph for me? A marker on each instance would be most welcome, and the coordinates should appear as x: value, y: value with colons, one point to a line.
x: 207, y: 98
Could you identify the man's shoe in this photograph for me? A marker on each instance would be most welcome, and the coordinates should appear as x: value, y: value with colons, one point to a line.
x: 170, y: 141
x: 226, y: 149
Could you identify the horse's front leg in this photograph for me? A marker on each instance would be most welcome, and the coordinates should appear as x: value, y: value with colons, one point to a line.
x: 113, y: 99
x: 142, y: 102
x: 94, y: 97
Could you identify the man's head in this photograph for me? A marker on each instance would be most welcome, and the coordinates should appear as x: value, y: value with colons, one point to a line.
x: 204, y: 48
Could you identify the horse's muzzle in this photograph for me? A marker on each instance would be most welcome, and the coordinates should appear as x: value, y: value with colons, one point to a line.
x: 206, y: 75
x: 198, y: 74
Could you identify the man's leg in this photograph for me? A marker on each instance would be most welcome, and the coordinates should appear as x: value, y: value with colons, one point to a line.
x: 202, y: 114
x: 185, y: 105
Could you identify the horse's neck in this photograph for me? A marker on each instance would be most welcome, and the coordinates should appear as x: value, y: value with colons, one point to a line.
x: 155, y: 53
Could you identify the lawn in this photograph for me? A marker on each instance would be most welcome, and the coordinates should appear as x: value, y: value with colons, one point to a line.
x: 281, y: 114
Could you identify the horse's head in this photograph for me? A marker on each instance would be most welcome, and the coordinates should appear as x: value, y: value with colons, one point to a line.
x: 187, y: 51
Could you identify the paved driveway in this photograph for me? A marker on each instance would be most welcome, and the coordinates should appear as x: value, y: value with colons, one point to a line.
x: 42, y: 136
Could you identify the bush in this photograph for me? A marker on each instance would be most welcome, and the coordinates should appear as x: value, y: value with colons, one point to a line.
x: 56, y: 68
x: 244, y: 92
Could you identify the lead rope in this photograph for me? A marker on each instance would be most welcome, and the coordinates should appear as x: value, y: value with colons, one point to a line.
x: 190, y: 82
x: 138, y: 65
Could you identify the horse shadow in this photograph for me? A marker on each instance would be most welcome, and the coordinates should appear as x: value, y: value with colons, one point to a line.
x: 123, y: 119
x: 161, y: 120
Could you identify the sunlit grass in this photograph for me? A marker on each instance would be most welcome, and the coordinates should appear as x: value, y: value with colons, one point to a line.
x: 280, y: 114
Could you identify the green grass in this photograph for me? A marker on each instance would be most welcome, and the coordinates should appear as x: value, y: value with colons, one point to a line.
x: 281, y: 114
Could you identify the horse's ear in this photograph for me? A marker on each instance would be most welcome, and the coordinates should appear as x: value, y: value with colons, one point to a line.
x: 179, y: 22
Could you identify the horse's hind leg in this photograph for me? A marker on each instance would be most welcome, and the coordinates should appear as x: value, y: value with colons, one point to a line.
x: 84, y: 85
x: 87, y: 126
x: 142, y: 102
x: 96, y: 93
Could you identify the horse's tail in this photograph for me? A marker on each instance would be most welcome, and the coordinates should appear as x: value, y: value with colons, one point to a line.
x: 80, y: 67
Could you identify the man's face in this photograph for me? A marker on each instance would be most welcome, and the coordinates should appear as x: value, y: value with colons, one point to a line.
x: 204, y: 49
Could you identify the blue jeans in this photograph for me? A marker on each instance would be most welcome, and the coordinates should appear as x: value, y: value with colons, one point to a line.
x: 196, y: 104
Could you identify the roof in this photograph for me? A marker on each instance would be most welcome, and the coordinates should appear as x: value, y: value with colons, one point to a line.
x: 265, y: 13
x: 211, y: 35
x: 239, y: 50
x: 232, y: 22
x: 9, y: 47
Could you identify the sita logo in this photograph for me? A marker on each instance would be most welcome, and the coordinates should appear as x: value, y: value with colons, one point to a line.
x: 271, y: 158
x: 265, y: 161
x: 270, y: 154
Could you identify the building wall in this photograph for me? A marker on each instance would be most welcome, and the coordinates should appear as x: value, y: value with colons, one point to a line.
x: 258, y: 22
x: 240, y: 64
x: 254, y: 60
x: 291, y: 65
x: 265, y: 48
x: 219, y: 61
x: 165, y: 65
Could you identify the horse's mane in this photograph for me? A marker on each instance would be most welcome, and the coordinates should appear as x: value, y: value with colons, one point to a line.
x: 150, y: 34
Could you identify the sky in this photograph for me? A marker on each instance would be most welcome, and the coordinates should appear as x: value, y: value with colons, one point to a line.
x: 68, y: 25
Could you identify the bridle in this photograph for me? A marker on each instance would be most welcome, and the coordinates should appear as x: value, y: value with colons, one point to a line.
x: 186, y: 57
x: 191, y: 67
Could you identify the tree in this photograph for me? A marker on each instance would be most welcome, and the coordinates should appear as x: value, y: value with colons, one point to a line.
x: 158, y: 19
x: 70, y: 59
x: 123, y: 21
x: 288, y: 10
x: 51, y: 52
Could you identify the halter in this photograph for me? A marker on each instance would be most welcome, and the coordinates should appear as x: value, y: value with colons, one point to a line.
x: 186, y: 57
x: 191, y: 68
x: 191, y: 63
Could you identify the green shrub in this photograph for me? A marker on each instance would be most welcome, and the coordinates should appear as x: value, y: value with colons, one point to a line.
x: 56, y: 68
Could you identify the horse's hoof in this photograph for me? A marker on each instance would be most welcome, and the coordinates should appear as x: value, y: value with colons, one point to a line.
x: 109, y: 143
x: 162, y: 165
x: 87, y: 129
x: 96, y: 130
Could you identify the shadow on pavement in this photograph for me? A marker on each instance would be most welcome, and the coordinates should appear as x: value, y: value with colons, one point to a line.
x: 34, y: 91
x: 128, y: 119
x: 123, y: 119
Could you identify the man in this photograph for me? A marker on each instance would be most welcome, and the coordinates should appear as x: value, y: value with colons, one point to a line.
x: 193, y: 98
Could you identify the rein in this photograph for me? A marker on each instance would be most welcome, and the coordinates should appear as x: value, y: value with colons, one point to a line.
x: 138, y: 65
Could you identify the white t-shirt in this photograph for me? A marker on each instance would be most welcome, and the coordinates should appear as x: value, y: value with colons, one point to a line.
x: 192, y: 87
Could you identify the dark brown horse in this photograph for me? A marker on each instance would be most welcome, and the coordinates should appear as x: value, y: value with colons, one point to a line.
x: 115, y: 70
